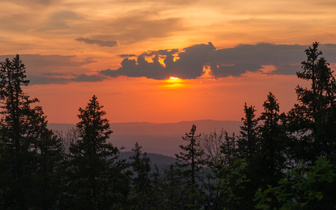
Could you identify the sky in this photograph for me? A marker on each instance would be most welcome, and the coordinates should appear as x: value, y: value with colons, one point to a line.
x: 164, y: 61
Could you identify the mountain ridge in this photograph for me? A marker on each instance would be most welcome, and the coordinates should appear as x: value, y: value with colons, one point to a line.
x: 160, y: 138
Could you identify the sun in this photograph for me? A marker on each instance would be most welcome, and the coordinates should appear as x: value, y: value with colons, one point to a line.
x: 174, y: 82
x: 174, y: 79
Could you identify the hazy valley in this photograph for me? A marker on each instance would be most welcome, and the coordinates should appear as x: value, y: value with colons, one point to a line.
x: 159, y: 138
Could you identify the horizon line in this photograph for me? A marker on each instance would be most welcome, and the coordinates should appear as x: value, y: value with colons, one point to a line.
x: 182, y: 121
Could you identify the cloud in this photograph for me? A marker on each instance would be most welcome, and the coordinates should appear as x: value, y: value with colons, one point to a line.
x: 101, y: 43
x: 52, y: 69
x: 242, y: 58
x: 58, y: 78
x: 44, y: 80
x: 38, y: 64
x: 189, y: 63
x: 286, y: 58
x: 127, y: 55
x: 164, y: 2
x: 188, y: 66
x: 131, y: 29
x: 32, y: 2
x: 88, y: 78
x: 60, y: 22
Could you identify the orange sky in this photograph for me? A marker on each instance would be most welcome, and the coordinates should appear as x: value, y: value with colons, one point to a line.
x: 226, y: 52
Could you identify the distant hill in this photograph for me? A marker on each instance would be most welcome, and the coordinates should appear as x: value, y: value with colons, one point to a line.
x: 161, y: 161
x: 158, y: 138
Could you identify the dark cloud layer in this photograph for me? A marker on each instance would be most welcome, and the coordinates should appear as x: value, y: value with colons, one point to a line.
x: 188, y: 66
x: 127, y: 55
x: 185, y: 64
x: 63, y: 78
x: 87, y: 78
x: 101, y: 43
x: 44, y: 80
x: 235, y: 61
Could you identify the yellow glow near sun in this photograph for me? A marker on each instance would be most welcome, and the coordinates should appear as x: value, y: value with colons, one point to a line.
x: 174, y: 82
x: 174, y: 79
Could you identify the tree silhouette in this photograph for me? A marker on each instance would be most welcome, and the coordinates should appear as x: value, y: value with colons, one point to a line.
x: 96, y: 175
x: 272, y: 143
x: 141, y: 182
x: 31, y: 152
x: 190, y: 161
x: 248, y: 142
x: 313, y: 120
x: 305, y: 187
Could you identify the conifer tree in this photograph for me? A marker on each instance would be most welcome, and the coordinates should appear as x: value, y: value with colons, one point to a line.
x: 31, y: 152
x: 96, y: 174
x: 248, y: 151
x: 173, y: 185
x: 229, y: 182
x: 248, y: 141
x: 141, y: 182
x: 190, y: 161
x: 313, y: 120
x: 272, y: 144
x: 228, y: 149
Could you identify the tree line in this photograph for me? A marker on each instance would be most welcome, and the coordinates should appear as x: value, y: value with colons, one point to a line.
x: 276, y: 161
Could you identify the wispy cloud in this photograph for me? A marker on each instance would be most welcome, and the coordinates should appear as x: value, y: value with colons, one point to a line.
x: 32, y: 2
x: 101, y: 43
x: 44, y: 80
x: 60, y: 78
x: 133, y: 28
x: 88, y: 78
x: 53, y: 69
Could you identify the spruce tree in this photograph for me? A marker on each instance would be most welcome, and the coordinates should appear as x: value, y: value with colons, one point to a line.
x: 190, y: 161
x: 228, y: 149
x: 31, y: 154
x: 313, y: 120
x: 272, y: 143
x: 141, y: 182
x: 248, y: 142
x: 248, y: 150
x: 96, y: 178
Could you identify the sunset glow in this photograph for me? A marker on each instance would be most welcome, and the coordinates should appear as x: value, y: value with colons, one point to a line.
x: 144, y: 59
x: 174, y: 79
x: 174, y: 82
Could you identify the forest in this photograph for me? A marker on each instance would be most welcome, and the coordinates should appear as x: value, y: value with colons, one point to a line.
x: 276, y: 161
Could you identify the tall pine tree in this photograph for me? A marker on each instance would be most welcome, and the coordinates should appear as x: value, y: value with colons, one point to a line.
x: 249, y: 143
x: 272, y: 143
x: 31, y: 154
x: 96, y: 178
x: 190, y: 161
x: 313, y: 120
